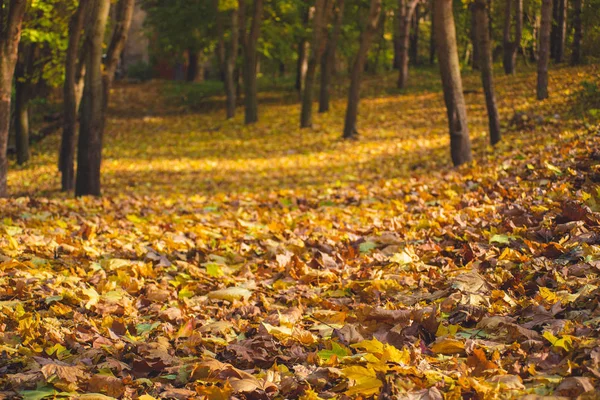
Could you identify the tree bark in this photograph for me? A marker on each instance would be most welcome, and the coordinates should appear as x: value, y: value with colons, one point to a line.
x: 577, y: 32
x: 23, y: 91
x: 93, y: 104
x: 432, y: 36
x: 358, y: 67
x: 10, y: 35
x: 70, y: 101
x: 250, y: 42
x: 561, y: 31
x: 231, y: 57
x: 544, y: 50
x: 406, y: 9
x: 473, y: 37
x: 302, y: 64
x: 445, y: 37
x: 322, y: 11
x: 220, y: 51
x: 511, y: 47
x: 328, y: 58
x: 485, y: 63
x: 192, y: 69
x: 414, y: 36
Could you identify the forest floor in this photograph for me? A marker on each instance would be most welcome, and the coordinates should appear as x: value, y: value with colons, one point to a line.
x: 226, y: 261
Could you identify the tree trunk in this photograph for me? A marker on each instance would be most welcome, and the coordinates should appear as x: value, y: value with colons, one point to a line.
x: 22, y: 122
x: 432, y: 36
x: 405, y: 13
x: 544, y: 50
x: 578, y: 32
x: 414, y: 36
x: 511, y: 47
x: 554, y: 29
x: 90, y: 131
x: 220, y: 51
x: 192, y: 69
x: 358, y: 68
x: 10, y: 35
x: 320, y: 19
x: 70, y: 102
x: 485, y: 63
x: 561, y: 31
x: 302, y: 64
x: 250, y: 41
x: 230, y: 64
x: 445, y: 37
x: 328, y: 58
x: 473, y: 37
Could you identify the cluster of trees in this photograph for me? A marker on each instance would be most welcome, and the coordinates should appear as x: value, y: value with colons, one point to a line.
x: 77, y: 44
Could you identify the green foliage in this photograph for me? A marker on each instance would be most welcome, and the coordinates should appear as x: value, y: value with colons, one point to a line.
x: 141, y: 71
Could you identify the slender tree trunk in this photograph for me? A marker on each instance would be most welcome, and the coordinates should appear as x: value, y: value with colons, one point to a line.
x: 220, y: 51
x: 10, y: 35
x: 485, y: 62
x: 473, y: 37
x: 192, y: 69
x: 92, y: 113
x: 544, y: 50
x: 22, y: 122
x: 230, y: 64
x: 328, y: 58
x: 445, y: 37
x: 561, y: 31
x: 320, y: 19
x: 358, y: 67
x: 70, y: 102
x: 414, y: 36
x: 432, y: 35
x: 511, y: 47
x: 577, y: 32
x: 554, y: 30
x: 405, y: 13
x: 250, y: 41
x: 302, y: 64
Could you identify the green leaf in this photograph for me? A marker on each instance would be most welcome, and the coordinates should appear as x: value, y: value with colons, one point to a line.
x: 503, y: 239
x: 366, y: 247
x: 214, y: 270
x: 336, y: 350
x: 37, y: 394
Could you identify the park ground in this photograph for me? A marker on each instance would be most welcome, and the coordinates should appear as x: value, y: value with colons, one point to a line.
x: 266, y: 261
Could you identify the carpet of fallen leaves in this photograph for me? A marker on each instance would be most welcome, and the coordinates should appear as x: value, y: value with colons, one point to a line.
x: 269, y: 262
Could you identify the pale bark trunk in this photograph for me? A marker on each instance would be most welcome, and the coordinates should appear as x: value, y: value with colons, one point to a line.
x: 511, y: 47
x: 405, y: 13
x: 302, y: 64
x: 445, y: 37
x: 10, y: 35
x: 358, y: 67
x: 561, y: 31
x: 70, y: 99
x: 544, y: 50
x: 485, y: 65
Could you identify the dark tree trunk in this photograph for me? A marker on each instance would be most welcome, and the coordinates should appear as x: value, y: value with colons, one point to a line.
x: 445, y: 37
x: 70, y: 101
x: 90, y: 132
x: 22, y: 122
x: 10, y: 35
x: 302, y: 64
x: 485, y: 62
x: 358, y: 67
x: 249, y: 48
x: 554, y: 29
x: 230, y: 64
x: 561, y: 31
x: 432, y: 36
x: 192, y: 69
x: 511, y: 47
x: 577, y: 32
x: 328, y: 58
x: 322, y: 11
x: 473, y: 36
x: 414, y: 36
x: 544, y: 50
x: 406, y: 10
